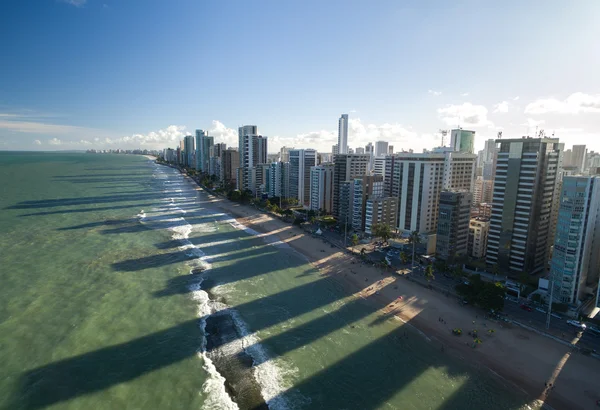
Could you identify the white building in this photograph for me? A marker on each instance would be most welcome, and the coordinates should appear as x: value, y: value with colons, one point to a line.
x: 418, y: 179
x: 346, y: 168
x: 369, y: 186
x: 279, y: 184
x: 478, y: 236
x: 381, y: 148
x: 301, y: 161
x: 253, y: 152
x: 321, y: 188
x: 379, y: 166
x: 343, y: 134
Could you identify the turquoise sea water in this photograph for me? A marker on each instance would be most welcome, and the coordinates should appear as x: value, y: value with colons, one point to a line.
x: 98, y: 308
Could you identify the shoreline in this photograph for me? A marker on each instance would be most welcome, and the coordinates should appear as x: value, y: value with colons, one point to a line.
x: 517, y: 357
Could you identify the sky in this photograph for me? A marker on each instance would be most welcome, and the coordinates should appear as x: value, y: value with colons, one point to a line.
x: 80, y: 74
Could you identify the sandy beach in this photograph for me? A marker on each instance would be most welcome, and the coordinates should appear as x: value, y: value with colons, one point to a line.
x: 522, y: 358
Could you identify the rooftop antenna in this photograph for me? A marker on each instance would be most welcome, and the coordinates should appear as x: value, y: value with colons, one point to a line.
x: 444, y: 133
x: 541, y: 134
x: 499, y: 135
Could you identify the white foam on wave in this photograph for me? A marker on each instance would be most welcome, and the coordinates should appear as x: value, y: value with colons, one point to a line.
x: 267, y: 373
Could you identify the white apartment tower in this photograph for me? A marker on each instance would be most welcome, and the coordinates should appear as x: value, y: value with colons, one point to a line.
x: 321, y: 188
x: 418, y: 179
x: 381, y: 148
x: 301, y: 161
x: 343, y: 134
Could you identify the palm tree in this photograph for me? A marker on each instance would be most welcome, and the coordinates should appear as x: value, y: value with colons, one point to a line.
x: 403, y: 257
x: 354, y: 241
x: 429, y: 273
x: 415, y: 239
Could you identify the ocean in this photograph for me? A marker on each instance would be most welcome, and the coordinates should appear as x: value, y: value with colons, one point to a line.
x: 122, y: 287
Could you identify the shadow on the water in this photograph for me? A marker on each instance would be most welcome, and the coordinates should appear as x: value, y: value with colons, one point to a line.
x: 101, y: 369
x: 85, y: 176
x: 95, y: 209
x: 50, y: 203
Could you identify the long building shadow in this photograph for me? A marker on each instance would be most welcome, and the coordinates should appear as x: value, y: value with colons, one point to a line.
x: 94, y: 209
x: 370, y: 376
x: 101, y: 369
x: 50, y: 203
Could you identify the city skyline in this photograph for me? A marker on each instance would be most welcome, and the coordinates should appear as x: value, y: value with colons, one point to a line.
x: 96, y: 82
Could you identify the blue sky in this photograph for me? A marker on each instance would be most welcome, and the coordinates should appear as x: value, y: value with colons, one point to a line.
x: 106, y: 74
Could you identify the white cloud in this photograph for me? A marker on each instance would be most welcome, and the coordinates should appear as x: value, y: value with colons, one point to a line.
x: 501, y: 107
x: 516, y: 98
x: 436, y: 93
x: 223, y: 134
x: 39, y: 127
x: 466, y: 114
x: 169, y: 135
x: 464, y: 95
x: 531, y: 123
x: 76, y: 3
x: 574, y: 104
x: 55, y: 141
x: 37, y: 142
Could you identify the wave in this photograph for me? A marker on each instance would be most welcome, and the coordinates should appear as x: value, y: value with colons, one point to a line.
x: 267, y: 374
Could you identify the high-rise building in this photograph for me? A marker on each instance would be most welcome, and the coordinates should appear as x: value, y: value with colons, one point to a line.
x: 379, y: 166
x: 381, y: 211
x: 390, y: 149
x: 204, y: 151
x: 335, y: 150
x: 370, y: 150
x: 188, y: 147
x: 343, y: 134
x: 254, y: 152
x: 200, y: 134
x: 453, y: 225
x: 578, y: 157
x: 344, y: 199
x: 418, y: 179
x: 284, y: 154
x: 462, y: 140
x: 279, y: 175
x: 482, y: 191
x: 230, y: 162
x: 350, y: 150
x: 242, y: 131
x: 575, y: 261
x: 259, y: 181
x: 381, y: 148
x: 359, y: 150
x: 301, y: 160
x: 368, y: 186
x: 321, y: 188
x: 479, y: 228
x: 524, y: 189
x: 346, y: 168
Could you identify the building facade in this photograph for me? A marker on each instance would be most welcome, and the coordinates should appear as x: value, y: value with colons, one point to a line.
x: 417, y: 181
x: 381, y: 210
x: 524, y: 189
x: 301, y: 161
x: 342, y: 144
x: 453, y: 225
x: 346, y: 168
x: 479, y: 228
x: 462, y: 140
x: 321, y: 188
x: 230, y: 162
x: 368, y: 186
x: 188, y: 148
x: 279, y: 175
x: 575, y: 261
x: 381, y: 148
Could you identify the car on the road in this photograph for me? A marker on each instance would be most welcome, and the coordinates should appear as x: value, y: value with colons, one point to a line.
x: 577, y: 324
x: 594, y: 330
x: 526, y: 307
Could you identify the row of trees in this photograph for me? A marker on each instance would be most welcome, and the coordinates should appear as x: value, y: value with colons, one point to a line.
x: 487, y: 295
